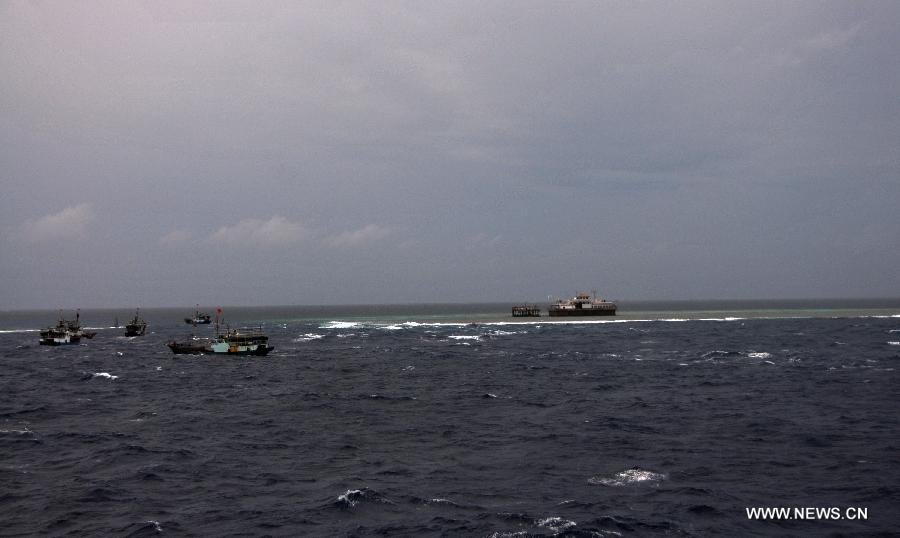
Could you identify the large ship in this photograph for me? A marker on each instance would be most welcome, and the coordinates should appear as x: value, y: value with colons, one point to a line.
x: 583, y: 304
x: 199, y: 318
x: 65, y: 332
x: 137, y: 326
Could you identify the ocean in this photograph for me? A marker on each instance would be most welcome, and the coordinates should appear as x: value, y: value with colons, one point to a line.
x: 683, y: 419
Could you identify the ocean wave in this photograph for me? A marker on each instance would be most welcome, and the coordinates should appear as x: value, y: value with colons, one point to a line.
x: 353, y: 497
x: 759, y: 355
x: 447, y: 502
x: 26, y: 431
x: 106, y: 375
x: 719, y: 354
x: 464, y: 337
x: 894, y: 343
x: 340, y: 325
x: 555, y: 524
x: 308, y: 336
x: 498, y: 332
x: 629, y: 477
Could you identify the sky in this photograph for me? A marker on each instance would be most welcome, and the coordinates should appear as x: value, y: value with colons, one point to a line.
x: 167, y: 153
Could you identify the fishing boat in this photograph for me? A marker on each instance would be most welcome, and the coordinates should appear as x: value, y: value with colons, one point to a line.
x: 199, y: 318
x: 230, y: 342
x: 583, y: 304
x: 65, y: 332
x: 245, y: 342
x: 137, y: 326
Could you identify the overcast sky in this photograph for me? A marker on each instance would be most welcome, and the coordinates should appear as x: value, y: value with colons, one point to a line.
x: 250, y: 153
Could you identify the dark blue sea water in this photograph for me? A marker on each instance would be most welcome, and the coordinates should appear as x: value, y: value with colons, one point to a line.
x: 410, y: 421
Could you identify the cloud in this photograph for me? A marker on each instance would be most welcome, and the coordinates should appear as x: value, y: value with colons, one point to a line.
x: 355, y: 238
x: 175, y: 237
x: 69, y: 224
x: 277, y: 231
x: 483, y: 240
x: 833, y: 40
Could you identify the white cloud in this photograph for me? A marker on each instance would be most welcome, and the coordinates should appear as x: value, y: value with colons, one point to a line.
x: 175, y: 237
x: 255, y: 232
x: 355, y: 238
x: 832, y: 40
x: 482, y: 240
x: 69, y: 224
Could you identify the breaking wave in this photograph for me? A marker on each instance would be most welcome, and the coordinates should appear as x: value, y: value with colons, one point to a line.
x: 633, y: 476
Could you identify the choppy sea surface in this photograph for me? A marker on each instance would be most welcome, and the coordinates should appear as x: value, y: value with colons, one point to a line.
x: 458, y: 420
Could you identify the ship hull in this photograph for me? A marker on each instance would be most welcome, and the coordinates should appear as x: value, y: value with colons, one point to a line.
x: 135, y: 330
x: 188, y: 348
x: 61, y: 341
x: 230, y: 349
x: 219, y: 349
x: 580, y: 312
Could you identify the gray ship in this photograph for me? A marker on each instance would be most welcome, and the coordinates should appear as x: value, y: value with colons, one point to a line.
x: 582, y: 304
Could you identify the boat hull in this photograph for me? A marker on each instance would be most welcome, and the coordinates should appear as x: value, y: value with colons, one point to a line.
x: 182, y: 348
x: 231, y: 349
x: 60, y: 341
x: 219, y: 348
x: 579, y: 312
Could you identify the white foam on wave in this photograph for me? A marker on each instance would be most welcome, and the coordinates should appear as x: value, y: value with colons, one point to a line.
x: 13, y: 331
x: 760, y: 355
x: 340, y: 325
x: 308, y: 336
x: 26, y: 431
x: 464, y: 337
x: 555, y: 523
x: 156, y: 525
x: 629, y: 477
x: 498, y: 332
x: 894, y: 343
x: 350, y: 497
x: 106, y: 375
